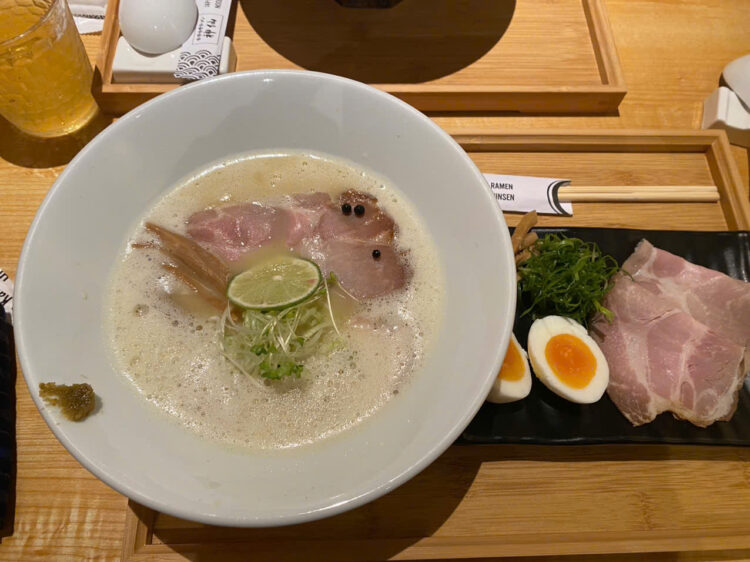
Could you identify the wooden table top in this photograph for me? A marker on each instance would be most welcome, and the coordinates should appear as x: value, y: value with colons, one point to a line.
x: 672, y: 54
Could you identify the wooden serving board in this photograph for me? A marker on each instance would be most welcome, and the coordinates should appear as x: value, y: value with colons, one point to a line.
x: 530, y: 56
x: 483, y: 501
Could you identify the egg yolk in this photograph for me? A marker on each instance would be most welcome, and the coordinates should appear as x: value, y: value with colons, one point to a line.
x: 512, y: 369
x: 571, y: 360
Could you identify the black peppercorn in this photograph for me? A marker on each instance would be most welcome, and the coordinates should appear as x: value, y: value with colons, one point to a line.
x: 359, y: 210
x: 376, y: 254
x: 346, y: 208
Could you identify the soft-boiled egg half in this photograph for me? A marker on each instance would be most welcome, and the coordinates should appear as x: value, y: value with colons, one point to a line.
x: 513, y: 382
x: 567, y: 360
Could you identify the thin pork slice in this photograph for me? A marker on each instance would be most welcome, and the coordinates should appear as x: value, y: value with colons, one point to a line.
x: 711, y: 297
x: 373, y: 226
x: 662, y: 359
x: 363, y: 276
x: 314, y: 226
x: 303, y: 215
x: 233, y: 232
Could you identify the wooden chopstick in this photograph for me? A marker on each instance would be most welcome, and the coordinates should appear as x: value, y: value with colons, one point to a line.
x: 639, y: 193
x: 646, y: 188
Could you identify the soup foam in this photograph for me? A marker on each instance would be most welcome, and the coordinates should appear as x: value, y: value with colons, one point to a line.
x: 171, y: 355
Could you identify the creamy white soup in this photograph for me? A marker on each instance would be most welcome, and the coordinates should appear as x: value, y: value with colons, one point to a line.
x: 168, y: 343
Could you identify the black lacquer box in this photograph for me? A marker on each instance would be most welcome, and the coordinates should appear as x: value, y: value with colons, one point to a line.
x: 7, y: 426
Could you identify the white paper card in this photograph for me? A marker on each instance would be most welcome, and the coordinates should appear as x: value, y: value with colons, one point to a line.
x: 201, y: 52
x: 522, y: 194
x: 88, y: 15
x: 6, y: 292
x: 88, y: 25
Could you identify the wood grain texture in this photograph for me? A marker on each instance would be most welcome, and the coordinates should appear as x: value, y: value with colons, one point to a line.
x: 513, y: 501
x: 621, y: 158
x: 517, y: 55
x: 672, y: 53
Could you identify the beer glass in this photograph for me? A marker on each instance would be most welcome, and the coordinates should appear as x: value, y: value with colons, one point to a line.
x: 45, y: 75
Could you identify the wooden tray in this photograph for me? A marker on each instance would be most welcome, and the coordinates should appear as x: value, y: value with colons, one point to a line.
x: 531, y: 56
x: 480, y: 501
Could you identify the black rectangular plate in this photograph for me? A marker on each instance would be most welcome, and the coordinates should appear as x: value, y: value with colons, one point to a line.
x: 544, y: 418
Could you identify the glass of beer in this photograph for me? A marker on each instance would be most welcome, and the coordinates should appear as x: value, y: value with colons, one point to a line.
x: 45, y: 75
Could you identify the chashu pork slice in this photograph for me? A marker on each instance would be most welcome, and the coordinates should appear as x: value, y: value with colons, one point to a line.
x: 358, y: 248
x: 711, y: 297
x: 662, y: 359
x: 233, y: 232
x: 678, y: 341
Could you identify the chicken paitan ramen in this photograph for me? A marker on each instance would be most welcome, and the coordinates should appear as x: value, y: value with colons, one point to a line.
x: 275, y: 299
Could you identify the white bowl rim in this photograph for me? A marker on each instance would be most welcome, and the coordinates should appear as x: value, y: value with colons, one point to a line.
x: 437, y: 449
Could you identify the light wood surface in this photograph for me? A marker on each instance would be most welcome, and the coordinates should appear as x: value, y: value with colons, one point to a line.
x: 638, y: 193
x: 517, y: 55
x: 672, y: 53
x: 615, y: 502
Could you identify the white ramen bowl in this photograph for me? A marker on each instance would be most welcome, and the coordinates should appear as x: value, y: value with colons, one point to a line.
x: 96, y: 202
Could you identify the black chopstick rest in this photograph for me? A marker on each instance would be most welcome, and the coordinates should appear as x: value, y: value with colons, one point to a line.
x: 7, y: 426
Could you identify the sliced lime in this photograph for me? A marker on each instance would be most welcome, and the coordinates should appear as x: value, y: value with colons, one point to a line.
x: 275, y: 284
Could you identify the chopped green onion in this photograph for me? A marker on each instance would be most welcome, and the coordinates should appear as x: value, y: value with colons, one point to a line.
x: 275, y: 344
x: 566, y: 277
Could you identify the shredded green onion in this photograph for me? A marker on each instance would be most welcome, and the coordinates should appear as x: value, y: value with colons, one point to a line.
x: 566, y: 277
x: 274, y: 344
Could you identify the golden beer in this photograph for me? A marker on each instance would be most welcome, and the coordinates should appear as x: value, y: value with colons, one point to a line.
x: 45, y: 75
